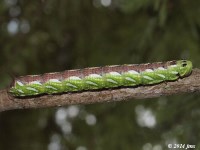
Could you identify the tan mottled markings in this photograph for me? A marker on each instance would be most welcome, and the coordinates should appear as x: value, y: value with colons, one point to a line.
x: 93, y: 70
x: 131, y: 68
x: 157, y: 65
x: 114, y: 68
x: 144, y: 67
x: 52, y: 77
x: 28, y: 79
x: 146, y: 64
x: 169, y: 63
x: 69, y: 73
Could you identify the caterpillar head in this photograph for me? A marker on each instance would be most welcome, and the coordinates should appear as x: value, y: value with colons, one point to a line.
x: 184, y: 67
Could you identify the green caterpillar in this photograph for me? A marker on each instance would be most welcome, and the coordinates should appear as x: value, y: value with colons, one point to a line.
x: 100, y: 78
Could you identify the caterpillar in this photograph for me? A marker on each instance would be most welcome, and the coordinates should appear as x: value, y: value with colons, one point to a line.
x: 127, y: 75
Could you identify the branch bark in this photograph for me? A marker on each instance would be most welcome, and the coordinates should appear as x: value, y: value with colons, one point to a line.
x: 186, y: 85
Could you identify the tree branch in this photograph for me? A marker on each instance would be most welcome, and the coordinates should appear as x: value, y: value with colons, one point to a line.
x: 186, y: 85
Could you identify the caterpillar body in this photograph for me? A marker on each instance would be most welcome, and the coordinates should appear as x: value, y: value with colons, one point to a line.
x: 100, y: 78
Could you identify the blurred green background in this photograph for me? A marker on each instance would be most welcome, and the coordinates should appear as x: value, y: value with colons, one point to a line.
x: 54, y: 35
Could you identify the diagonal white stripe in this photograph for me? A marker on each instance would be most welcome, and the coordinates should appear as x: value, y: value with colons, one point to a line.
x: 91, y: 83
x: 130, y: 79
x: 147, y: 77
x: 112, y: 81
x: 69, y: 84
x: 51, y: 87
x: 19, y: 83
x: 161, y: 75
x: 32, y: 89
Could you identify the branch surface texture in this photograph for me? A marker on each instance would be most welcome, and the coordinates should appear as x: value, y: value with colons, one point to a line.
x: 186, y: 85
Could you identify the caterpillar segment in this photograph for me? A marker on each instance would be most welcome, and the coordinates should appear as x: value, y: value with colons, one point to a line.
x: 52, y: 83
x: 100, y: 78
